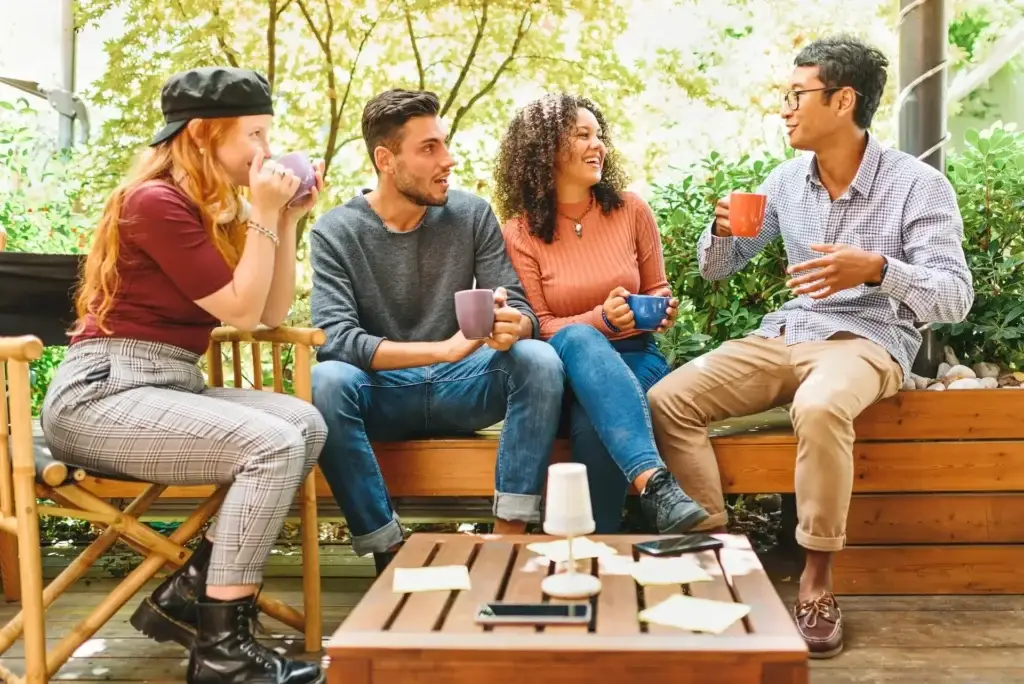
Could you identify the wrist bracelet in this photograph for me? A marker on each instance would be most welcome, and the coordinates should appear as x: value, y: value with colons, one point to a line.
x: 252, y: 225
x: 611, y: 327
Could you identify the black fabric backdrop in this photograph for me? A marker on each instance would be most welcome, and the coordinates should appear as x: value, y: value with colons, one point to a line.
x: 37, y: 295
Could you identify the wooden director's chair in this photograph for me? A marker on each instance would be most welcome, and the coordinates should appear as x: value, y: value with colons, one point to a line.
x: 27, y: 471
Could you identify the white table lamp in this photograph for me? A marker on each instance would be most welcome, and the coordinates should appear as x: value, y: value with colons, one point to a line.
x: 568, y: 514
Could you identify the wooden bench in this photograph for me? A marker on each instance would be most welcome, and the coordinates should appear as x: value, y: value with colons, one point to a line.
x: 937, y: 508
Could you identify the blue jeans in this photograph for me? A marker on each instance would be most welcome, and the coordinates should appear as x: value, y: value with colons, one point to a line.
x: 608, y: 419
x: 523, y: 387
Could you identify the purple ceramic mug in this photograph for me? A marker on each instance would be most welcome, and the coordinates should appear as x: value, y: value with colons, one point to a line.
x: 474, y: 310
x: 301, y: 166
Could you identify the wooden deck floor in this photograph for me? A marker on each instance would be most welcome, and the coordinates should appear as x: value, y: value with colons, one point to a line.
x: 938, y: 640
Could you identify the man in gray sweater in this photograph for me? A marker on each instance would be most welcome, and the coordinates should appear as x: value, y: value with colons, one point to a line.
x: 386, y: 267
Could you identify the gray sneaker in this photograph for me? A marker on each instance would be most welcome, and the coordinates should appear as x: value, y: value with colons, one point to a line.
x: 667, y: 507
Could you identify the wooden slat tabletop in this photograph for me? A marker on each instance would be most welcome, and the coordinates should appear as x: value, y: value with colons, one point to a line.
x: 434, y: 636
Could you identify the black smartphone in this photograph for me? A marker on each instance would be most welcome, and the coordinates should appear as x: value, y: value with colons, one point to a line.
x: 677, y: 546
x: 499, y: 613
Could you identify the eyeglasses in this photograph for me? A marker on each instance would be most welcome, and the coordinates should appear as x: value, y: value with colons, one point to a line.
x: 792, y: 97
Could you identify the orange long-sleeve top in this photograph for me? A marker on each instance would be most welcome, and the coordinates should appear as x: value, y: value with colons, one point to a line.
x: 569, y: 280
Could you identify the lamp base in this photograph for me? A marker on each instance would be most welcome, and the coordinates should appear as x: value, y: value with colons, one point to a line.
x: 571, y: 585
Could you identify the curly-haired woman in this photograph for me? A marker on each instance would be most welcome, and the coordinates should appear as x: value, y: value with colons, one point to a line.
x: 178, y: 250
x: 581, y: 245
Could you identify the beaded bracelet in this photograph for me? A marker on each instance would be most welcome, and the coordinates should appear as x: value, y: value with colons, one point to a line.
x: 260, y: 229
x: 611, y: 327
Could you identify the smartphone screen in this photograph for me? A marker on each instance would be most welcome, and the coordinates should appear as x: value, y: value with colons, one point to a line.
x: 534, y: 612
x: 673, y: 546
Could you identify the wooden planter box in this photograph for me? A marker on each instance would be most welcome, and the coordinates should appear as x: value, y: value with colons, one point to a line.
x: 938, y: 504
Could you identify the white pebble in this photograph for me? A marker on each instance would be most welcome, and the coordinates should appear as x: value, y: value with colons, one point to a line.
x: 919, y: 382
x: 937, y: 387
x: 988, y: 383
x: 965, y: 383
x: 943, y: 369
x: 959, y: 372
x: 950, y: 356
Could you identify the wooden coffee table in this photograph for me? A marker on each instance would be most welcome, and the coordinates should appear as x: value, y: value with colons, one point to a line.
x: 433, y: 637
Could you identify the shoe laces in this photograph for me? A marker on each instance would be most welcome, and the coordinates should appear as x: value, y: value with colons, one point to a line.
x: 811, y: 611
x: 263, y: 656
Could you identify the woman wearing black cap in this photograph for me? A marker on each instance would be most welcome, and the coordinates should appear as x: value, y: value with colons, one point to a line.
x: 177, y: 251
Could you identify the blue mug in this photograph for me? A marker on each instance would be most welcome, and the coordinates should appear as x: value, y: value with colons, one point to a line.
x: 648, y: 310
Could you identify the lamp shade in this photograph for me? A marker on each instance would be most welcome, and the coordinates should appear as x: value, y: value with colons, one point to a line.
x: 568, y: 512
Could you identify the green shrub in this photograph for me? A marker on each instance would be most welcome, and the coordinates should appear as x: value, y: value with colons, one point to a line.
x: 41, y: 189
x: 989, y: 179
x: 712, y: 312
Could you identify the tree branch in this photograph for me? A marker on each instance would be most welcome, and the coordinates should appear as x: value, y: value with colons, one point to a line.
x: 415, y: 49
x: 336, y: 120
x: 231, y: 55
x: 453, y: 93
x: 272, y: 42
x: 524, y: 28
x: 574, y: 62
x: 332, y: 90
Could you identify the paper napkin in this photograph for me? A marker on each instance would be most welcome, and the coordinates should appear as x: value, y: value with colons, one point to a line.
x: 694, y: 614
x: 582, y: 548
x: 432, y: 578
x: 681, y: 570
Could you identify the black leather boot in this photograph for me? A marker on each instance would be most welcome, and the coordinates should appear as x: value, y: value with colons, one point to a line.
x: 667, y: 507
x: 225, y: 652
x: 169, y: 613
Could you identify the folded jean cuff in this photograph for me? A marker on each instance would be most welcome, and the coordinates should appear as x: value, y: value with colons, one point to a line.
x: 643, y: 467
x: 823, y: 544
x: 523, y: 507
x: 380, y: 540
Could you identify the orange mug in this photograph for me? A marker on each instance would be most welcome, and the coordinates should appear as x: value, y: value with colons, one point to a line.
x: 746, y: 213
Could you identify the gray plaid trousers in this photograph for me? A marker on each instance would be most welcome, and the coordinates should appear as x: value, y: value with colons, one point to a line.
x: 141, y: 409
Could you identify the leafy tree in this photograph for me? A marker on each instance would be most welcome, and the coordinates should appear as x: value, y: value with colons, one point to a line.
x: 325, y: 58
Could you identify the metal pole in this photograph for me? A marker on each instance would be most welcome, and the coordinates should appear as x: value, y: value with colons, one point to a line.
x: 66, y: 130
x: 921, y: 104
x: 921, y: 108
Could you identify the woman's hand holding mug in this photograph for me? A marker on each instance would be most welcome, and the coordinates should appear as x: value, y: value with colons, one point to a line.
x: 617, y: 311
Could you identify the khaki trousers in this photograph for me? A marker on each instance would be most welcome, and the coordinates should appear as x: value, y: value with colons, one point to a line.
x: 828, y: 383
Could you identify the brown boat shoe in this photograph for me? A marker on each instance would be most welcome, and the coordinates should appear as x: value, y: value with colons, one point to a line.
x: 820, y: 623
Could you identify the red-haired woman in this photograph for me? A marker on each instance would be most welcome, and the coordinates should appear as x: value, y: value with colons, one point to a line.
x: 177, y: 251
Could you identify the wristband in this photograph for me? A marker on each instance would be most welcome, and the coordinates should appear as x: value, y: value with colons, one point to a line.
x: 604, y: 317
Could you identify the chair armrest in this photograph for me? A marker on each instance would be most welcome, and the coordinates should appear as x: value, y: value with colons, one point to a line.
x: 312, y: 337
x: 27, y: 348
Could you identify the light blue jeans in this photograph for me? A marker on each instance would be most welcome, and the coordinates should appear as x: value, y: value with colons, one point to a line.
x: 522, y: 387
x: 606, y: 416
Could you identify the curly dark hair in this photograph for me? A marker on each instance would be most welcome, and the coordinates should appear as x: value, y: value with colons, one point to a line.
x: 845, y: 61
x: 525, y: 167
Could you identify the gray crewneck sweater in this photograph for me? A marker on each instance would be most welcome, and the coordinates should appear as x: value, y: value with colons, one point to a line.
x: 372, y: 284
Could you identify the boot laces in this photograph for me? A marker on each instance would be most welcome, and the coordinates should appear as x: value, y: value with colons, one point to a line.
x: 264, y: 657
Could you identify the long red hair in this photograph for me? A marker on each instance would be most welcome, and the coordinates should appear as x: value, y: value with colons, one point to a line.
x: 188, y: 161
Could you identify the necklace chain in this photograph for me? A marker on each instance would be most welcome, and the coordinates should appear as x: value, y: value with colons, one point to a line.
x: 577, y: 223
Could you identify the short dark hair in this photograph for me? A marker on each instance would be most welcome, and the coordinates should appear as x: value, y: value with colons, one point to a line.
x: 845, y: 61
x: 385, y: 114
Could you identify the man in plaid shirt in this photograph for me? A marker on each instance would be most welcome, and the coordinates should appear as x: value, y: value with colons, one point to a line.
x: 873, y: 238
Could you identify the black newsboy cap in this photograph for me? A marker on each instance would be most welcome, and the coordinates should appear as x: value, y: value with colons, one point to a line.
x: 211, y: 93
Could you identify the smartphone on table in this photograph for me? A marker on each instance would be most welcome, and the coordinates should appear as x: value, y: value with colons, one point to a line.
x: 677, y: 546
x: 501, y: 613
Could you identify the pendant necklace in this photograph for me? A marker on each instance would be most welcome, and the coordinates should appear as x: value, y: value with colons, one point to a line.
x: 577, y: 223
